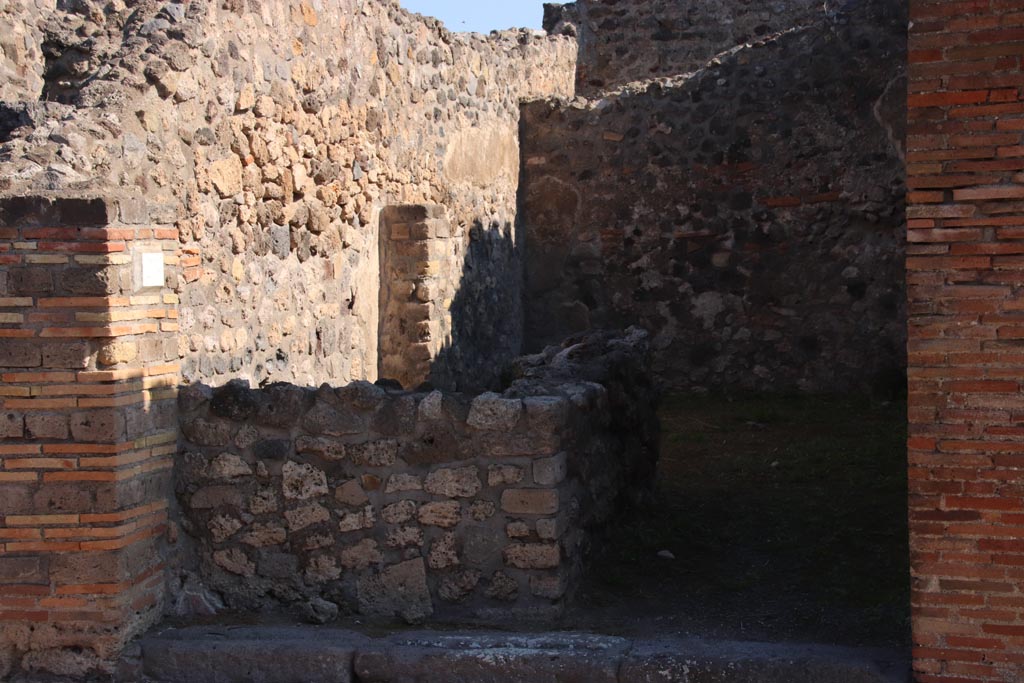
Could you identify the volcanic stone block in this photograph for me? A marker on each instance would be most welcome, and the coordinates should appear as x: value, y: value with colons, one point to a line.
x: 530, y: 501
x: 399, y: 590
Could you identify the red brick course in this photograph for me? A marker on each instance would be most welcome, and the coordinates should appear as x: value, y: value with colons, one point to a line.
x: 91, y: 563
x: 965, y: 276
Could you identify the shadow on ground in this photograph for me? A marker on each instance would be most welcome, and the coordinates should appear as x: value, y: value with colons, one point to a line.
x: 787, y: 521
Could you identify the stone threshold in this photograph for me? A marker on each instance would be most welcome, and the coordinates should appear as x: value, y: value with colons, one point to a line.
x: 294, y: 654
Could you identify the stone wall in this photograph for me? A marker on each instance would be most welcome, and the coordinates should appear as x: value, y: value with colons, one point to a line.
x: 273, y: 139
x: 413, y: 505
x: 965, y: 267
x: 622, y: 42
x: 21, y: 48
x: 254, y: 146
x: 749, y: 215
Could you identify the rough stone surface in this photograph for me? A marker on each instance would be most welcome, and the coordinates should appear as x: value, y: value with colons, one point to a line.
x: 442, y: 513
x: 491, y: 411
x: 400, y: 590
x: 443, y: 516
x: 273, y: 137
x: 749, y: 214
x: 328, y: 655
x: 303, y: 481
x: 479, y: 657
x: 335, y: 191
x: 211, y: 655
x: 622, y: 42
x: 461, y: 482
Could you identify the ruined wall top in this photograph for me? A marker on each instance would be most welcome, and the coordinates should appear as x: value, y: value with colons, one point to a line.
x: 624, y: 41
x: 113, y: 60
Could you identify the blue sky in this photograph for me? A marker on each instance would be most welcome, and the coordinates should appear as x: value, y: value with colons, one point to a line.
x: 481, y: 15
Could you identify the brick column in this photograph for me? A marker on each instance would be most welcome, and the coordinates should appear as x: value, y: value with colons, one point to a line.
x: 417, y: 253
x: 88, y: 356
x: 966, y: 339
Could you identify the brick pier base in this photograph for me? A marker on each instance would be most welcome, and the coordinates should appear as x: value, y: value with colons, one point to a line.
x: 88, y: 357
x: 965, y: 263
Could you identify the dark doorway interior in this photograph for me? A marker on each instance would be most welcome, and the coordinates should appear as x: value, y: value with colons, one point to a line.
x: 786, y: 518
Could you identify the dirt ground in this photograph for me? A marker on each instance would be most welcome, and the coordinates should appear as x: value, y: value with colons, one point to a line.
x: 786, y: 519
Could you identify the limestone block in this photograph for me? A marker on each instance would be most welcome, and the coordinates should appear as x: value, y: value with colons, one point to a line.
x: 530, y: 501
x: 321, y: 569
x: 226, y: 176
x: 399, y: 590
x: 223, y: 527
x: 481, y: 510
x: 550, y: 471
x: 443, y: 552
x: 324, y: 447
x: 351, y: 493
x: 403, y: 482
x: 400, y: 512
x: 46, y: 426
x: 430, y: 408
x: 117, y: 352
x: 353, y: 521
x: 458, y: 586
x: 246, y: 98
x: 443, y: 514
x: 459, y: 482
x: 203, y: 432
x: 263, y: 501
x: 265, y: 535
x: 550, y: 587
x: 12, y: 425
x: 493, y: 413
x: 374, y: 453
x: 502, y: 587
x: 234, y: 560
x: 361, y: 555
x: 229, y: 466
x: 305, y: 516
x: 303, y: 481
x: 533, y: 555
x: 502, y: 475
x: 405, y: 537
x: 517, y: 529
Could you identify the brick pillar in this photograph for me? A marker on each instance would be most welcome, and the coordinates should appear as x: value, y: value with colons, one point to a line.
x: 966, y: 339
x: 88, y: 356
x: 417, y: 253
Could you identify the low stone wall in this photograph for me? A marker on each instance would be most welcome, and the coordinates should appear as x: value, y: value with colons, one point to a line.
x: 413, y: 505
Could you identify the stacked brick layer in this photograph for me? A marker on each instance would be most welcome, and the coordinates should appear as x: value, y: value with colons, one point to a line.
x: 87, y: 428
x: 965, y: 266
x: 419, y: 278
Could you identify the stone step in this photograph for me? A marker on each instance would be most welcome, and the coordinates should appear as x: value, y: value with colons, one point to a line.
x: 222, y: 654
